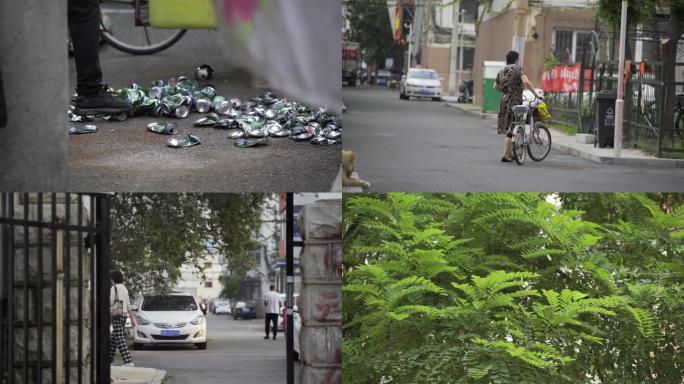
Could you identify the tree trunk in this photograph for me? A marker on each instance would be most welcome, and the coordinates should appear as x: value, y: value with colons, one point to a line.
x: 669, y: 54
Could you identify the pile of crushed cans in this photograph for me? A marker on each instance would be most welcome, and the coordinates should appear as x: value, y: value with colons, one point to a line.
x: 249, y: 122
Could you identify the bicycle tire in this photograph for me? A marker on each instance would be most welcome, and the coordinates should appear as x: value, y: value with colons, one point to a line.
x: 137, y: 50
x: 519, y: 145
x: 538, y: 142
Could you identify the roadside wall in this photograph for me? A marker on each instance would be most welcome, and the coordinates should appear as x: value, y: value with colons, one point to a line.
x: 321, y: 296
x: 34, y: 67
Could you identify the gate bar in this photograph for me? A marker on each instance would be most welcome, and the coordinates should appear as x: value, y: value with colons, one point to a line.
x: 289, y: 267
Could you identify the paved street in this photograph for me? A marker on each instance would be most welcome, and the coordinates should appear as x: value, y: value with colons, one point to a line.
x: 236, y: 353
x: 422, y: 145
x: 126, y: 157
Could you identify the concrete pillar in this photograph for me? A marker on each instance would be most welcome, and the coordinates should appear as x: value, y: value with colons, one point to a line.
x: 321, y: 296
x: 34, y: 65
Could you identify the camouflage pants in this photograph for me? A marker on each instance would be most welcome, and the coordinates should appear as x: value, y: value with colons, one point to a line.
x: 506, y: 117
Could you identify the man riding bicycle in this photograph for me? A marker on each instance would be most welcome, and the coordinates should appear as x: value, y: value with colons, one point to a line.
x: 511, y: 81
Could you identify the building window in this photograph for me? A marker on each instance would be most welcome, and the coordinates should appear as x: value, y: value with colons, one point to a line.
x: 208, y: 284
x: 207, y: 264
x: 569, y: 46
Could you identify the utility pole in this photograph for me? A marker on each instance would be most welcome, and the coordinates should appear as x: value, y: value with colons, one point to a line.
x: 461, y: 15
x: 454, y: 47
x: 410, y: 46
x: 619, y: 102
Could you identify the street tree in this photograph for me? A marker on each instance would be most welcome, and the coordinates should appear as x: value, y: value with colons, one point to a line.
x: 640, y: 11
x: 512, y: 288
x: 153, y: 235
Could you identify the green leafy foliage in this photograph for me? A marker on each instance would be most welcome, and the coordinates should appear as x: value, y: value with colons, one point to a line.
x: 513, y: 288
x: 154, y: 234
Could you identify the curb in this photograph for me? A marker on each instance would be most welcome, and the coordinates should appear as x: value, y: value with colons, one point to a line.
x: 158, y: 377
x: 641, y: 162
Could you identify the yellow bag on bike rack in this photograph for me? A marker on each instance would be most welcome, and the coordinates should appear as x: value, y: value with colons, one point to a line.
x: 184, y: 14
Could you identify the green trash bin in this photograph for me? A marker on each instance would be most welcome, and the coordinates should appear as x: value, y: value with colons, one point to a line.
x: 490, y: 96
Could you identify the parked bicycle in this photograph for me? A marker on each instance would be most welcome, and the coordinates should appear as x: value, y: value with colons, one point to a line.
x: 530, y: 135
x: 125, y: 25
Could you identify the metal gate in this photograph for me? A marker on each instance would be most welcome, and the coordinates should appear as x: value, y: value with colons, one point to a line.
x: 54, y: 279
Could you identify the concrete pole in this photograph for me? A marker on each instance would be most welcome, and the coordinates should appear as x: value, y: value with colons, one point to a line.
x: 454, y: 49
x: 34, y: 65
x: 619, y: 102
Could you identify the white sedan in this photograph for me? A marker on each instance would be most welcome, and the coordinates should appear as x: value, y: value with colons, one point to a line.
x: 421, y: 82
x: 170, y: 319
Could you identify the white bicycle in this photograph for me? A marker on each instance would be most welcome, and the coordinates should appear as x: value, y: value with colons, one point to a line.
x: 530, y: 135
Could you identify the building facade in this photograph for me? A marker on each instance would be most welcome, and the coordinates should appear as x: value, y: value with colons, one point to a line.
x: 534, y: 28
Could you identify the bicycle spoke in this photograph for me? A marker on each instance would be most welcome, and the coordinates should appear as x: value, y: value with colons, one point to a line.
x: 147, y: 36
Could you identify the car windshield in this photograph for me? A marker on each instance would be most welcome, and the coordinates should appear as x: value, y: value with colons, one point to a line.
x: 430, y: 75
x: 169, y: 303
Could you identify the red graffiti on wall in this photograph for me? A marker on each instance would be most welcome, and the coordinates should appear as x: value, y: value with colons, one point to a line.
x: 329, y: 302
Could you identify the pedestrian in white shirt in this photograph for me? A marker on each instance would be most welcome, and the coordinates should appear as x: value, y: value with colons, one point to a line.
x: 272, y: 304
x: 120, y: 306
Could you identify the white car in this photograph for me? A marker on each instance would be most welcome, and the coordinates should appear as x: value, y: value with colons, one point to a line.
x: 221, y: 306
x: 170, y: 319
x: 421, y: 82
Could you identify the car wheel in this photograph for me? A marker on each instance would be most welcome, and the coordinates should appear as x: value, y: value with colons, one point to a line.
x: 202, y: 346
x: 137, y: 346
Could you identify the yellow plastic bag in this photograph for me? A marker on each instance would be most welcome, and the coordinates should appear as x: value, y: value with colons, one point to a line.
x: 543, y: 111
x: 185, y: 14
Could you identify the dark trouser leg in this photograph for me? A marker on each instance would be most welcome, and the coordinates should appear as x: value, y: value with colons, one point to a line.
x: 119, y: 339
x: 268, y: 323
x: 84, y: 24
x: 274, y: 319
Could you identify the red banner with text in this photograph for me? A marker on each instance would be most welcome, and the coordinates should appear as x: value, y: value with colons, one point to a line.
x: 564, y: 78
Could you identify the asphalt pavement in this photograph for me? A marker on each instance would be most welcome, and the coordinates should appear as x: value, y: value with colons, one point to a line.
x: 124, y: 156
x: 426, y: 146
x: 236, y: 353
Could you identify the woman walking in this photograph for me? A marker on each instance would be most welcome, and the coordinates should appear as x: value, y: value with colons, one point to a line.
x: 120, y: 306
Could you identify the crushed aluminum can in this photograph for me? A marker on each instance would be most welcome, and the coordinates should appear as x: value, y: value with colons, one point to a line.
x: 314, y: 128
x: 302, y: 136
x: 330, y: 134
x: 225, y: 123
x: 182, y: 111
x: 236, y: 134
x: 166, y: 128
x: 202, y: 105
x: 234, y: 112
x: 270, y: 114
x: 251, y: 132
x: 235, y: 103
x: 82, y: 130
x: 209, y: 92
x: 282, y: 133
x: 320, y: 140
x: 273, y: 127
x: 187, y: 141
x: 207, y: 121
x: 245, y: 143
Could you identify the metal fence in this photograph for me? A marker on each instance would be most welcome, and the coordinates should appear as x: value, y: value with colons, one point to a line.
x: 54, y: 297
x: 645, y: 92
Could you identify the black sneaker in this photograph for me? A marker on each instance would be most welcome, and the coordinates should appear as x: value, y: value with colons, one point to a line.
x: 266, y: 337
x: 101, y: 102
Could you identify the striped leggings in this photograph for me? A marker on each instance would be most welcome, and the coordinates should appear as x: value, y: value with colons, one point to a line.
x: 118, y: 340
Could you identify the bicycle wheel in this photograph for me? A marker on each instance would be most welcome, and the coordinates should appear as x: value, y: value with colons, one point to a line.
x: 519, y: 144
x: 119, y: 30
x: 539, y: 144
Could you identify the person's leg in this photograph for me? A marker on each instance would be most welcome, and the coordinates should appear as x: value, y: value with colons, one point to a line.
x: 274, y: 319
x: 112, y: 344
x: 267, y: 324
x: 120, y: 339
x: 84, y: 24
